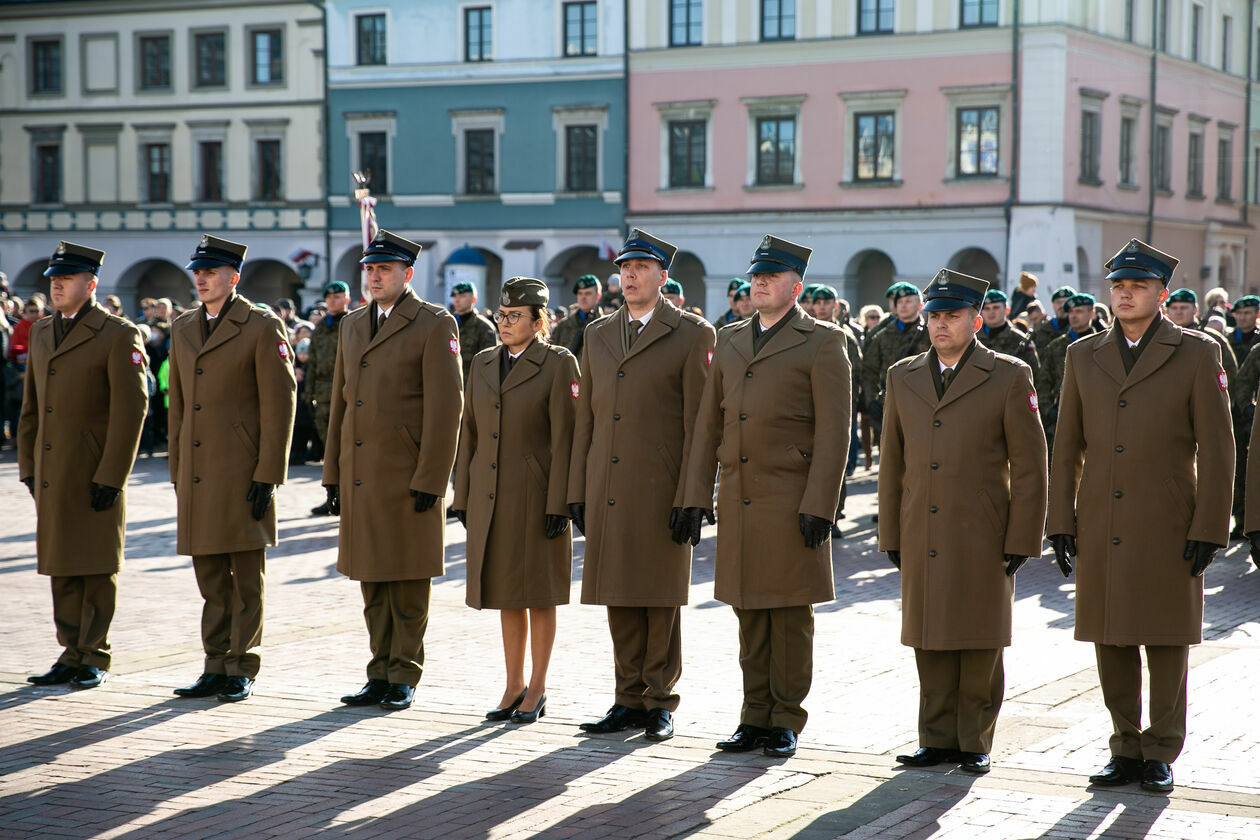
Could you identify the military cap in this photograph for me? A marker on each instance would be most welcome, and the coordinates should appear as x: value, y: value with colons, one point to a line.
x: 74, y: 259
x: 672, y: 287
x: 1079, y: 299
x: 336, y: 287
x: 390, y: 247
x: 774, y: 255
x: 524, y: 291
x: 463, y: 288
x: 586, y: 281
x: 995, y: 296
x: 1061, y: 293
x: 743, y: 292
x: 807, y: 293
x: 824, y: 292
x: 1184, y: 296
x: 213, y: 252
x: 734, y: 284
x: 951, y: 290
x: 902, y: 289
x: 1248, y: 300
x: 642, y: 245
x: 1139, y: 261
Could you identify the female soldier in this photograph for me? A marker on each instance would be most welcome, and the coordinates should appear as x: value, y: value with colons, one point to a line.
x: 510, y: 488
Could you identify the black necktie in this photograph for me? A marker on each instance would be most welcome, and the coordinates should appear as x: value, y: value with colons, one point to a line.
x: 380, y: 321
x: 636, y: 327
x: 947, y: 376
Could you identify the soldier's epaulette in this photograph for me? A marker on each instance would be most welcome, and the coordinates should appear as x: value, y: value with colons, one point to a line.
x: 831, y: 325
x: 903, y: 362
x: 735, y: 325
x: 601, y: 319
x: 1204, y: 337
x: 692, y: 317
x: 1008, y: 359
x: 558, y: 350
x: 185, y: 315
x: 434, y: 309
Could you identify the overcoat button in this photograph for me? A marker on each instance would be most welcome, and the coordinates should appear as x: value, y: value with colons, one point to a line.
x: 1119, y: 448
x: 45, y: 484
x: 1123, y: 403
x: 1118, y: 494
x: 196, y: 479
x: 933, y: 509
x: 612, y: 501
x: 748, y: 501
x: 616, y: 460
x: 616, y: 416
x: 931, y: 554
x: 936, y: 423
x: 1115, y: 541
x: 621, y: 373
x: 196, y: 443
x: 357, y: 482
x: 935, y: 465
x: 743, y: 459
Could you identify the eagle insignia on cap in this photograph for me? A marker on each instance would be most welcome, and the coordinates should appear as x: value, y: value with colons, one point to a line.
x: 205, y: 240
x: 1132, y: 247
x: 505, y: 299
x: 765, y: 241
x: 942, y: 279
x: 61, y: 249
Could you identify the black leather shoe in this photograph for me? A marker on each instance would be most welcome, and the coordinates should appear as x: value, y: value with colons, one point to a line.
x: 928, y: 756
x: 207, y: 685
x: 371, y: 694
x: 781, y: 743
x: 977, y: 763
x: 747, y: 737
x: 1119, y: 771
x: 56, y: 675
x: 236, y: 689
x: 618, y: 718
x: 397, y: 697
x: 89, y: 676
x: 323, y: 510
x: 1157, y: 776
x: 659, y: 725
x: 529, y: 717
x: 506, y: 712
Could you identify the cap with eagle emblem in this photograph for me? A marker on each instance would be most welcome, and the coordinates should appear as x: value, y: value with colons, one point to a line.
x: 70, y: 258
x: 1139, y: 261
x: 952, y: 290
x: 213, y: 252
x: 524, y: 291
x: 774, y: 255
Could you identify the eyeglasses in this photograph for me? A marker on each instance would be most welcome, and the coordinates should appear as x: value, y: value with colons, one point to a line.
x: 510, y: 318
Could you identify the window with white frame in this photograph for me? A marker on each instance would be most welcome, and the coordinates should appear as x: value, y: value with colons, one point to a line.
x: 267, y: 158
x: 478, y: 134
x: 579, y: 148
x: 686, y: 144
x: 153, y: 143
x: 1161, y: 150
x: 774, y: 141
x: 209, y: 147
x: 974, y: 130
x: 872, y: 145
x: 1225, y: 162
x: 47, y: 174
x: 1130, y: 113
x: 1194, y: 159
x: 1090, y: 171
x: 371, y: 138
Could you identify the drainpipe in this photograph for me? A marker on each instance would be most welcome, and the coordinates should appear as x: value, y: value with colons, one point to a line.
x: 1150, y: 198
x: 1014, y: 190
x: 625, y: 95
x: 1251, y: 45
x: 323, y: 12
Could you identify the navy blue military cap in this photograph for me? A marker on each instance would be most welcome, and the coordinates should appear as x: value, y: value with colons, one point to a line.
x: 995, y: 296
x: 586, y: 281
x: 213, y: 252
x: 74, y: 259
x: 642, y: 245
x: 1184, y: 296
x: 390, y: 247
x: 774, y: 255
x: 1139, y: 261
x: 463, y: 288
x: 1079, y: 299
x: 951, y: 290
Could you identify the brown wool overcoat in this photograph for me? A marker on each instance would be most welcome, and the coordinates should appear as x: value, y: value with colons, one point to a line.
x: 231, y: 422
x: 777, y: 423
x: 392, y: 428
x: 82, y: 411
x: 1142, y: 463
x: 512, y: 470
x: 962, y: 482
x: 631, y: 439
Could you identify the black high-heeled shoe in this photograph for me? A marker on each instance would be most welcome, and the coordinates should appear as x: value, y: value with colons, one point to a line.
x: 529, y: 717
x: 506, y: 713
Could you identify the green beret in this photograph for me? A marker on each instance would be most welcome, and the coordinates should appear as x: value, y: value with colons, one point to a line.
x: 995, y: 296
x: 807, y: 293
x: 824, y: 292
x: 743, y: 291
x: 1079, y: 299
x: 1062, y: 292
x: 524, y: 291
x: 1184, y: 296
x: 1248, y: 300
x: 463, y: 288
x: 586, y: 281
x: 672, y: 287
x: 336, y: 287
x: 900, y: 290
x: 735, y: 283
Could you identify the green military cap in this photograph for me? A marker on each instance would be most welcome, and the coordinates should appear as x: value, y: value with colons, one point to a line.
x: 824, y: 292
x: 743, y: 292
x: 897, y: 291
x: 586, y: 281
x: 1079, y: 299
x: 672, y: 287
x: 995, y: 296
x: 774, y: 255
x: 1247, y: 300
x: 1062, y: 292
x: 213, y: 252
x: 390, y: 247
x: 462, y: 288
x: 336, y: 287
x: 807, y: 293
x: 524, y: 291
x: 644, y: 246
x: 953, y: 290
x: 1139, y: 261
x: 735, y: 283
x: 74, y: 259
x: 1184, y: 296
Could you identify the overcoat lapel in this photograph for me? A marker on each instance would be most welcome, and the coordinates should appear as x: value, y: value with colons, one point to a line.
x: 742, y: 341
x: 1156, y: 353
x: 664, y: 319
x: 404, y: 313
x: 229, y: 323
x: 1107, y: 355
x: 93, y: 320
x: 788, y: 337
x: 973, y: 374
x: 920, y: 380
x: 489, y: 365
x: 527, y: 365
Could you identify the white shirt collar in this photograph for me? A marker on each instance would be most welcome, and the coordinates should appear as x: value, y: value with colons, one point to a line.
x: 643, y: 320
x: 380, y: 310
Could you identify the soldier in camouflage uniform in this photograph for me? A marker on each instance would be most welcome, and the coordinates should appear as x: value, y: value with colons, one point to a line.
x: 321, y: 363
x: 1183, y: 310
x: 570, y: 331
x: 475, y: 332
x: 904, y: 336
x: 824, y: 305
x: 1242, y: 340
x: 1000, y: 335
x: 741, y: 300
x: 1051, y: 328
x: 1079, y: 320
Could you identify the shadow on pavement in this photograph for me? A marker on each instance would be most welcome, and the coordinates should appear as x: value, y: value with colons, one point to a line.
x: 931, y: 795
x: 1138, y: 814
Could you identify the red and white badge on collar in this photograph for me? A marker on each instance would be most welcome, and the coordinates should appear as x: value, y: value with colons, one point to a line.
x: 574, y: 390
x: 137, y: 358
x: 282, y: 348
x: 454, y: 345
x: 1032, y: 403
x: 1222, y: 380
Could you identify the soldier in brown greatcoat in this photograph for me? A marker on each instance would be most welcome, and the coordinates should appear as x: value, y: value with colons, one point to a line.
x: 397, y: 397
x: 1140, y: 480
x: 511, y: 486
x: 962, y: 498
x: 775, y: 416
x: 643, y: 370
x: 83, y: 407
x: 233, y: 395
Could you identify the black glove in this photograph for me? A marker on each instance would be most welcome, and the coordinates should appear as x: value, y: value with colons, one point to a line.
x: 1202, y: 554
x: 894, y: 557
x: 577, y: 512
x: 679, y: 526
x: 1254, y: 538
x: 815, y: 529
x: 261, y: 495
x: 556, y: 525
x: 333, y: 492
x: 1013, y: 562
x: 1064, y: 551
x: 461, y: 515
x: 424, y: 501
x: 695, y: 517
x: 29, y: 481
x: 104, y: 498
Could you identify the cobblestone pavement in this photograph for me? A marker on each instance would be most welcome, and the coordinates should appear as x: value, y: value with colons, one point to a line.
x: 128, y: 760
